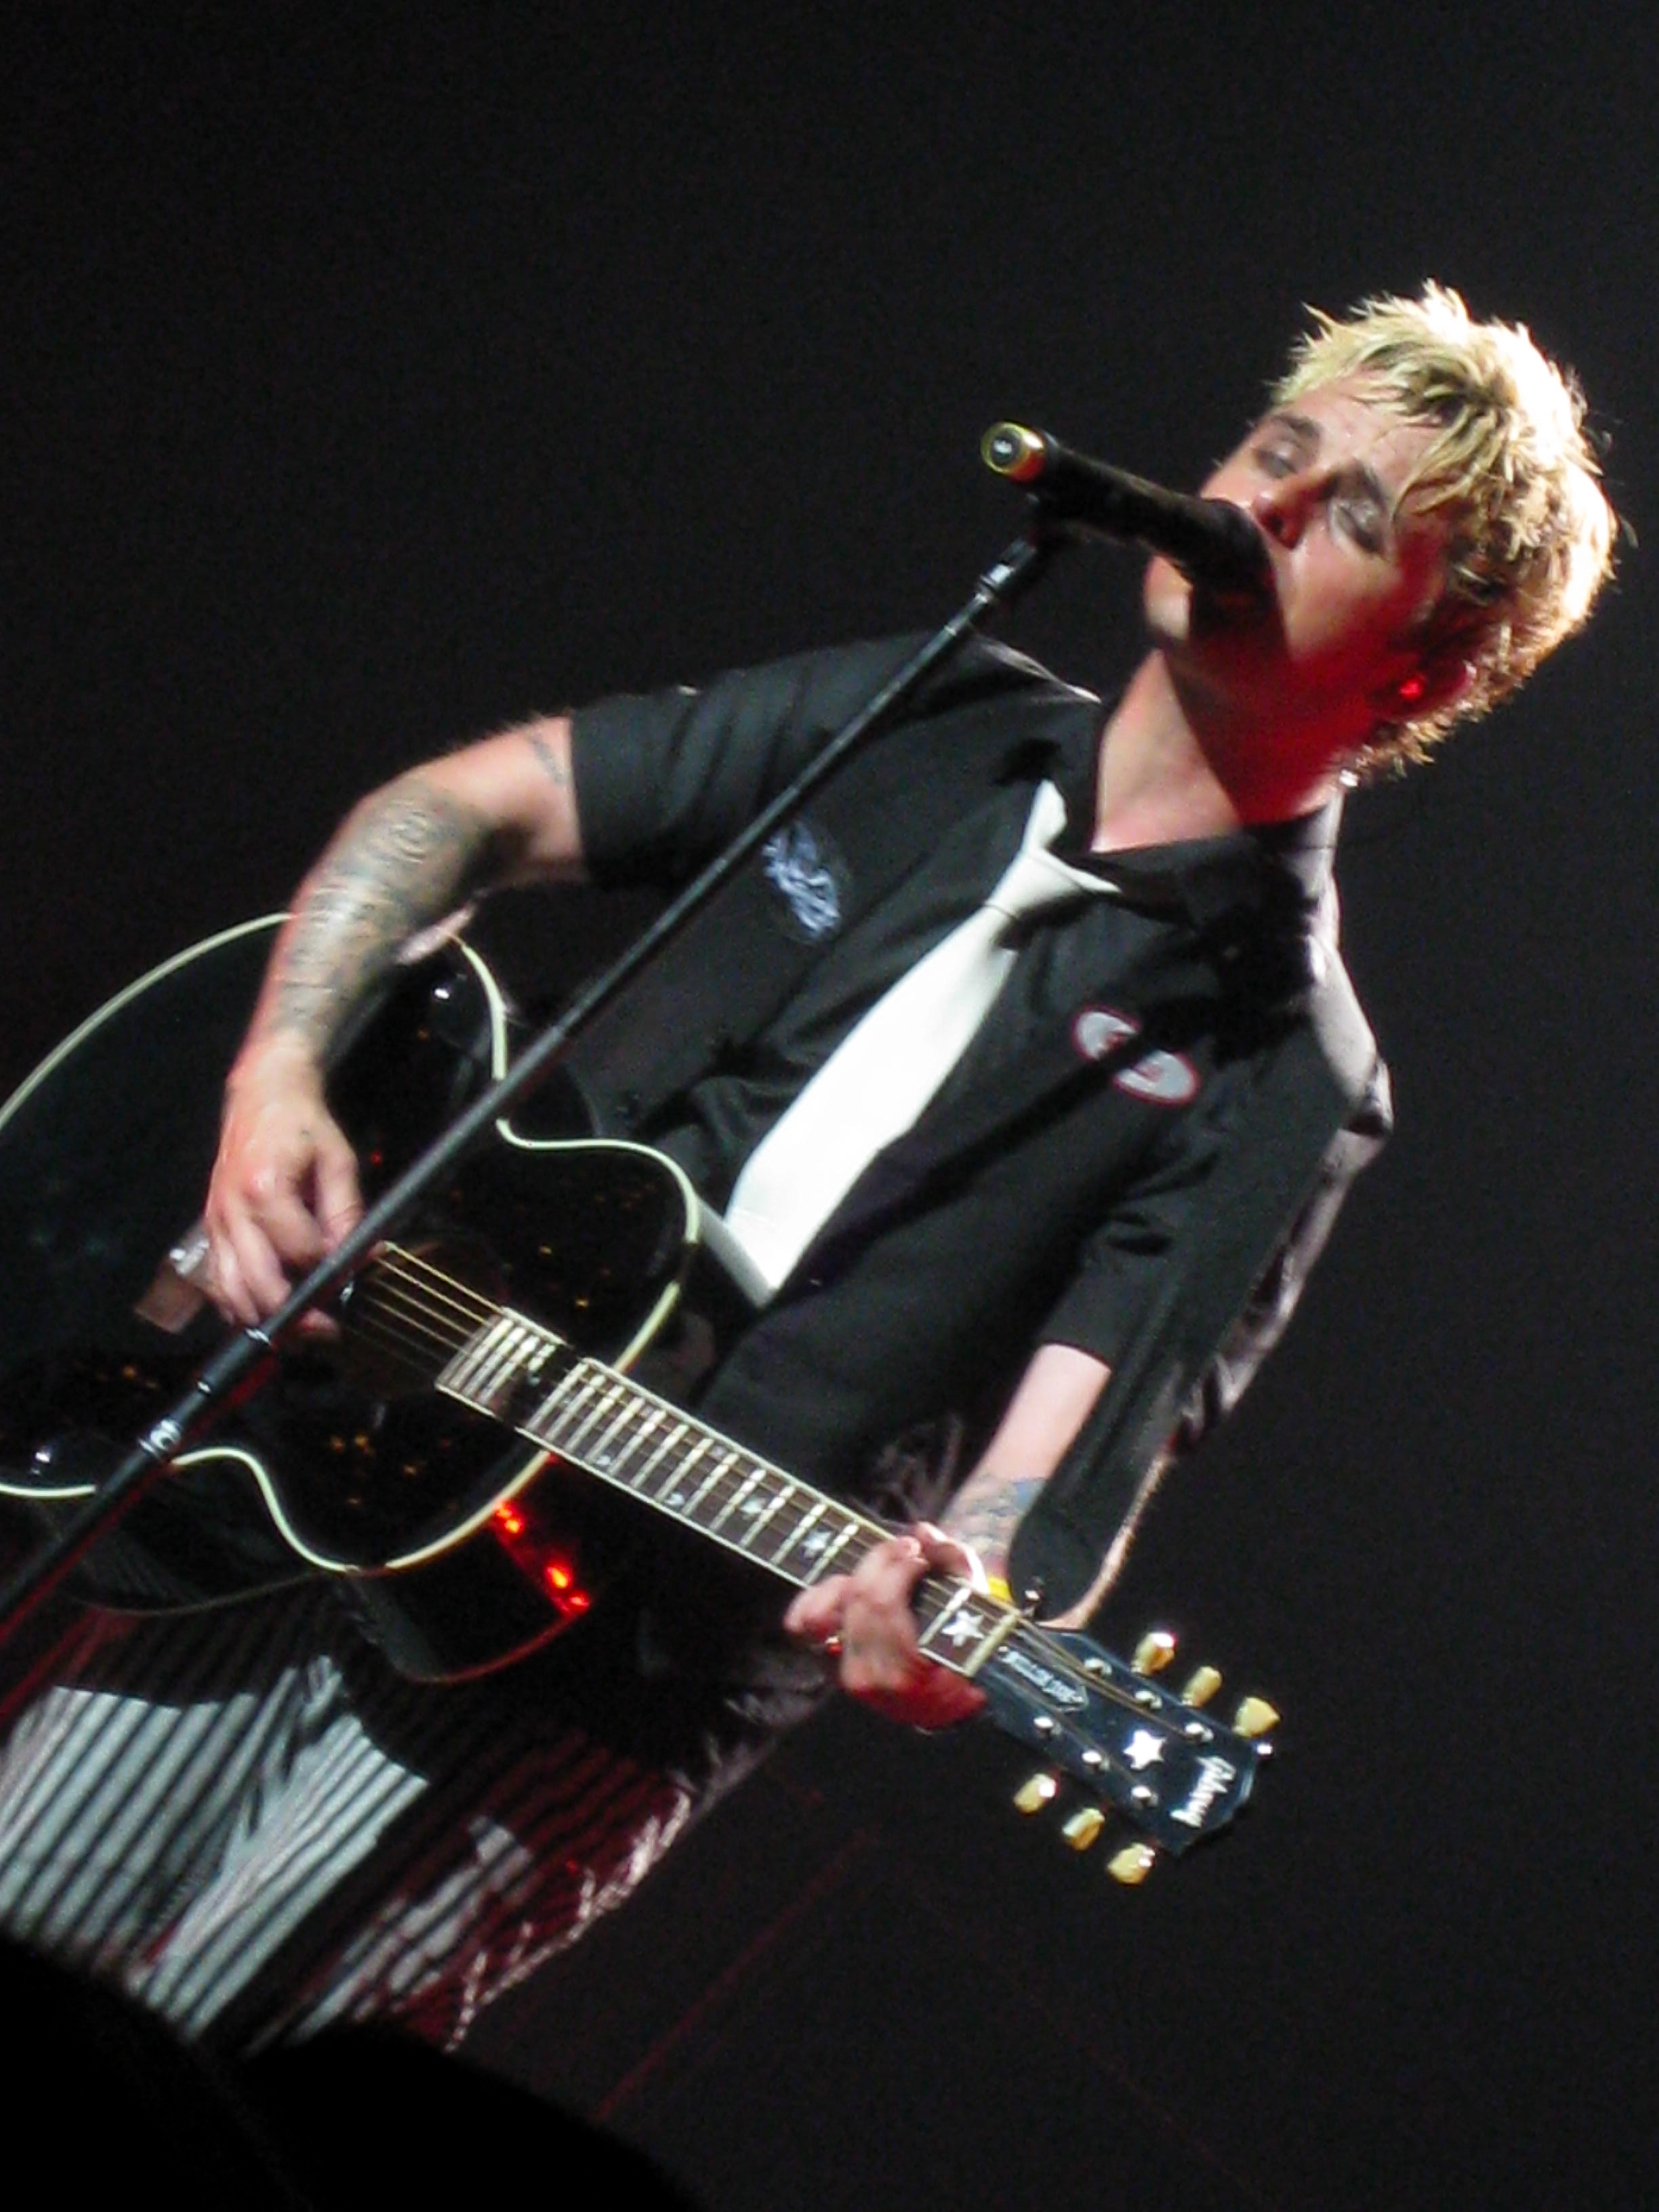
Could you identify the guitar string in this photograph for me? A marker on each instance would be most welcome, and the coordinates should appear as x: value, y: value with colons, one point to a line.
x: 401, y: 1326
x: 395, y: 1302
x: 393, y: 1313
x: 409, y: 1298
x: 401, y: 1265
x: 444, y: 1319
x: 411, y: 1275
x: 390, y: 1324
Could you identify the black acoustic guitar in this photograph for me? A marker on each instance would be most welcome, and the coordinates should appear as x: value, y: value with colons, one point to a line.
x: 565, y: 1290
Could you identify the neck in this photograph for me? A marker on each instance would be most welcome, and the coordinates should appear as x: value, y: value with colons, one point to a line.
x: 1173, y: 767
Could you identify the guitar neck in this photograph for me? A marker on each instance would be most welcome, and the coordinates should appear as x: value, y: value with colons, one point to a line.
x: 1090, y: 1711
x: 520, y: 1373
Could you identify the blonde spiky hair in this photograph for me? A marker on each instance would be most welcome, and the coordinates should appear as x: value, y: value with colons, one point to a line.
x: 1511, y: 471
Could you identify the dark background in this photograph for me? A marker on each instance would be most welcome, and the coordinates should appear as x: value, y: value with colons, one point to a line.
x: 377, y: 374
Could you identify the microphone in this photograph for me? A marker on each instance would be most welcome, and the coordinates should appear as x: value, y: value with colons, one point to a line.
x: 1211, y: 541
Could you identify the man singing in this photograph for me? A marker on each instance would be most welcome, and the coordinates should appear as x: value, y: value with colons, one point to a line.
x: 988, y: 1074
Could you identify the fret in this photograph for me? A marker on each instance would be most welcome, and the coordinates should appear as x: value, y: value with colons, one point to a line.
x: 787, y: 1491
x: 673, y: 1498
x: 752, y: 1482
x: 653, y: 1420
x: 819, y: 1507
x: 543, y: 1425
x: 510, y: 1353
x: 455, y: 1374
x: 971, y: 1624
x: 578, y: 1420
x: 579, y: 1377
x: 722, y: 1468
x: 636, y: 1482
x: 469, y: 1373
x: 599, y: 1456
x: 491, y: 1366
x: 823, y: 1550
x: 512, y: 1361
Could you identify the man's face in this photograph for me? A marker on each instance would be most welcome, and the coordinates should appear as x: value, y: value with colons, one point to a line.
x: 1353, y: 571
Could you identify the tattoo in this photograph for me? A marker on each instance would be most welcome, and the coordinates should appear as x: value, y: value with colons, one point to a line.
x: 987, y: 1511
x: 404, y: 861
x: 557, y: 771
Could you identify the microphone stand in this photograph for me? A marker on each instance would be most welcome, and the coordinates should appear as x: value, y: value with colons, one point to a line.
x: 241, y: 1365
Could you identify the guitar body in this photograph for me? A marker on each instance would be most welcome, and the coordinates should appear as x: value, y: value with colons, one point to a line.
x: 458, y: 1547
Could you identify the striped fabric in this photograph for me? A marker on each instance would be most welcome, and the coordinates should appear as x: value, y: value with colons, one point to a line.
x: 207, y: 1812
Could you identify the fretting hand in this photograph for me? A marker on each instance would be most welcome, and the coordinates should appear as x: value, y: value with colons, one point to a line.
x: 865, y: 1622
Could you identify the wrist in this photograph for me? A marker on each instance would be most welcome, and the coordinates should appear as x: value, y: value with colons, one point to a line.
x: 279, y: 1059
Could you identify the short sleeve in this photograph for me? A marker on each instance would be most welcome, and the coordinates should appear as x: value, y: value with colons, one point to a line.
x: 1278, y: 1290
x: 1123, y: 1265
x: 1127, y: 1269
x: 664, y: 781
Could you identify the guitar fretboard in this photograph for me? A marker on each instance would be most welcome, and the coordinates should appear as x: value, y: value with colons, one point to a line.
x: 1090, y: 1711
x: 519, y: 1372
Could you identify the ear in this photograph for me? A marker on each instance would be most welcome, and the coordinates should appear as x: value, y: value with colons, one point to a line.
x: 1438, y: 681
x: 1435, y: 682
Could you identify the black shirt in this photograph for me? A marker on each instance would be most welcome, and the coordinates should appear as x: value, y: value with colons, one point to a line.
x: 1040, y: 1196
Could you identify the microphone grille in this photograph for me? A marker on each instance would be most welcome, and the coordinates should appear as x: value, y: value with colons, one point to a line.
x: 1013, y: 451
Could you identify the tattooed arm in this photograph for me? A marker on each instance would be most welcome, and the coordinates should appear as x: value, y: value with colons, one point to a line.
x: 1055, y: 1395
x: 284, y: 1186
x: 866, y: 1617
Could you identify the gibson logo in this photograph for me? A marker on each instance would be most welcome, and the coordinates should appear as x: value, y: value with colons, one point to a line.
x: 1215, y: 1773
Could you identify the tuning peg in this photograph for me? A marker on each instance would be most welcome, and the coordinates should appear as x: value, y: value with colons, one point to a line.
x: 1084, y: 1827
x: 1154, y: 1652
x: 1255, y: 1718
x: 1131, y: 1865
x: 1201, y: 1686
x: 1040, y: 1790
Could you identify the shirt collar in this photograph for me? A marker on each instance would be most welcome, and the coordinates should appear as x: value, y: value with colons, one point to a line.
x: 1265, y: 867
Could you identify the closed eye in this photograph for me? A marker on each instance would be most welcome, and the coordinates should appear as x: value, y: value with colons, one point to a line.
x: 1364, y: 523
x: 1364, y: 512
x: 1276, y: 460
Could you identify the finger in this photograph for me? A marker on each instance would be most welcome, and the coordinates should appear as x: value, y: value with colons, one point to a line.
x: 228, y: 1291
x: 945, y: 1554
x: 889, y: 1570
x: 880, y: 1588
x: 814, y: 1616
x: 277, y: 1206
x: 255, y: 1277
x: 339, y: 1200
x: 879, y: 1626
x: 883, y: 1663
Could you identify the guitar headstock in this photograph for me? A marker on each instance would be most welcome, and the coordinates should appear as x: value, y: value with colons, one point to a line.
x: 1155, y: 1755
